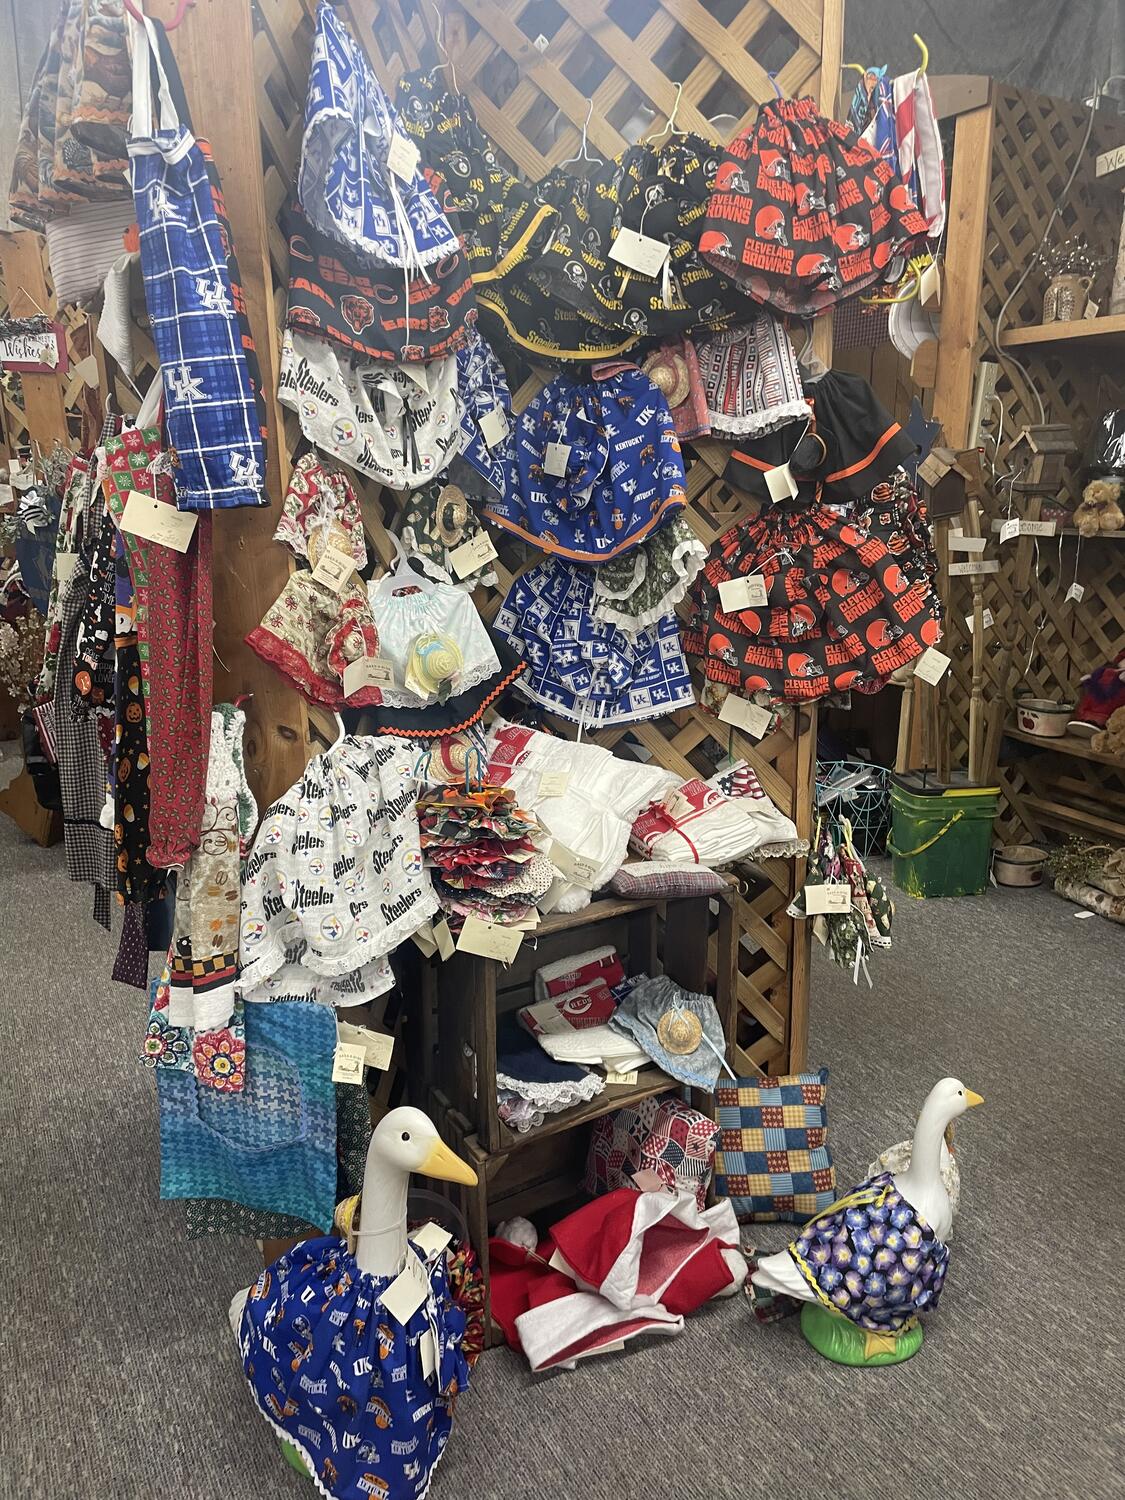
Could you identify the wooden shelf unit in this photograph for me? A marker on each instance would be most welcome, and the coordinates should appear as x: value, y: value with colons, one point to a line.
x: 1108, y: 332
x: 460, y: 1002
x: 1067, y: 744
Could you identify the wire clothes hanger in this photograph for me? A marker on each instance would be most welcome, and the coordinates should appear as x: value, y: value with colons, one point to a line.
x: 584, y: 149
x: 669, y: 127
x: 181, y: 10
x: 440, y: 47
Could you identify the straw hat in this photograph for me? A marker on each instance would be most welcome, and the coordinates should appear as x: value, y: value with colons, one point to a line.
x: 434, y: 661
x: 668, y: 371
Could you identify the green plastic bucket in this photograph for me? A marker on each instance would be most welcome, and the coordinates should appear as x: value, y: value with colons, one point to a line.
x: 941, y: 838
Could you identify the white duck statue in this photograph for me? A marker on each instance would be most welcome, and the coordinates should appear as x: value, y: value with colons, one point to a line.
x: 355, y: 1359
x: 865, y: 1267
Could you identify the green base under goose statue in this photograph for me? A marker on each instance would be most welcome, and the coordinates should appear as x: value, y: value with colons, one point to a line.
x: 867, y: 1266
x: 355, y: 1359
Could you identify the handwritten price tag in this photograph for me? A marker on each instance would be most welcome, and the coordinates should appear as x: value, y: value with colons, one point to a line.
x: 743, y: 593
x: 163, y: 524
x: 403, y: 157
x: 553, y: 783
x: 494, y: 427
x: 822, y: 899
x: 932, y: 665
x: 489, y: 939
x: 745, y: 715
x: 780, y: 483
x: 472, y: 555
x: 555, y: 459
x: 639, y: 252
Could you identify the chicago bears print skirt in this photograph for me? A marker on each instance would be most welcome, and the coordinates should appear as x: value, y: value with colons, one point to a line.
x: 805, y: 214
x: 841, y: 612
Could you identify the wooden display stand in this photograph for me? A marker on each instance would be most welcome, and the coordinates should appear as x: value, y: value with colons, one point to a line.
x: 540, y: 1172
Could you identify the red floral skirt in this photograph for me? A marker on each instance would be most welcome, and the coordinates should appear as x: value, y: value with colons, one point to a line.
x: 841, y: 615
x: 804, y: 213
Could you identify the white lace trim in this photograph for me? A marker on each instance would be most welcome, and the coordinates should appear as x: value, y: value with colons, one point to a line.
x: 696, y: 553
x: 468, y: 678
x: 757, y: 423
x: 551, y: 1098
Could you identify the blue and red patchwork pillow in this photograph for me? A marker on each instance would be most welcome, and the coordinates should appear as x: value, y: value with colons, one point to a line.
x: 773, y: 1160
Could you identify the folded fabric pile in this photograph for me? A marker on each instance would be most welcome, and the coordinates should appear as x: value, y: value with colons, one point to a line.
x: 625, y: 1264
x: 715, y: 822
x: 530, y: 1085
x: 482, y: 850
x: 575, y: 998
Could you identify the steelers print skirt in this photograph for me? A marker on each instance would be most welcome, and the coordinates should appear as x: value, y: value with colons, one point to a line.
x: 841, y: 613
x: 805, y: 214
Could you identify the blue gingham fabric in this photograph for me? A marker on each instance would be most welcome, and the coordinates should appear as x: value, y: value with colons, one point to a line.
x: 346, y: 187
x: 584, y: 669
x: 209, y: 408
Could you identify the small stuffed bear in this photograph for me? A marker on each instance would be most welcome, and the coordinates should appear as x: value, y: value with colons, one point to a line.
x: 1099, y: 509
x: 1111, y: 739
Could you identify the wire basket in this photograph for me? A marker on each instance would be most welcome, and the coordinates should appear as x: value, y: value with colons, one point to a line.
x: 860, y: 792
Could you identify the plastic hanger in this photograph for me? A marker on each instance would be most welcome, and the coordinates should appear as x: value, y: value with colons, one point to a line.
x: 181, y: 10
x: 776, y: 86
x: 862, y: 68
x: 584, y: 150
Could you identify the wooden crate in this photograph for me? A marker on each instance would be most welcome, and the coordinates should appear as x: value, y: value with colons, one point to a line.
x: 539, y: 1174
x: 1012, y: 157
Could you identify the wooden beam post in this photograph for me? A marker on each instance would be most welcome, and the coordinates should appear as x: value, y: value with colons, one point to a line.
x: 214, y: 48
x: 25, y: 281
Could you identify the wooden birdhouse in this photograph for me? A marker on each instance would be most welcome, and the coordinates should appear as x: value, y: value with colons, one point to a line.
x: 949, y: 481
x: 1042, y: 453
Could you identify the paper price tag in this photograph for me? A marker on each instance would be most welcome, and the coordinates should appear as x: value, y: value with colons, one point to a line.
x: 929, y: 285
x: 444, y: 939
x: 743, y: 593
x: 403, y: 157
x: 967, y: 543
x: 367, y: 671
x: 66, y: 565
x: 640, y: 252
x: 431, y: 1238
x: 572, y: 866
x: 424, y: 940
x: 553, y: 783
x: 745, y: 715
x: 164, y: 524
x: 407, y: 1291
x: 428, y: 1351
x: 555, y: 459
x: 347, y: 1064
x: 334, y: 569
x: 489, y: 939
x: 7, y: 495
x: 1009, y: 530
x: 932, y: 665
x: 377, y: 1047
x: 494, y: 427
x: 780, y: 483
x: 1075, y: 593
x: 932, y: 469
x: 1091, y: 311
x: 472, y: 555
x: 822, y: 899
x: 552, y: 896
x: 974, y: 569
x: 614, y: 1077
x: 986, y: 620
x: 87, y: 370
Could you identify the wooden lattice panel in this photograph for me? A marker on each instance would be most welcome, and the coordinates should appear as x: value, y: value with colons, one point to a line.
x: 627, y: 57
x: 1034, y: 144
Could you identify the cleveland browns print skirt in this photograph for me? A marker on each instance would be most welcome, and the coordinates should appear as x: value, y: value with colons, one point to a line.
x: 841, y: 613
x: 805, y: 214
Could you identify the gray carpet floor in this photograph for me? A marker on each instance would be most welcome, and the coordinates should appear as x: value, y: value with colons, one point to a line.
x: 119, y: 1377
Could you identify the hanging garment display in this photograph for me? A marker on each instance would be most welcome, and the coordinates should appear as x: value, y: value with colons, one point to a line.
x: 137, y: 880
x: 841, y: 613
x: 600, y: 467
x: 871, y: 113
x: 396, y: 423
x: 640, y: 587
x: 320, y: 501
x: 656, y: 191
x: 851, y: 443
x: 488, y: 427
x: 436, y: 721
x: 805, y: 214
x: 350, y: 182
x: 361, y: 305
x: 674, y: 370
x: 174, y: 633
x: 270, y: 1145
x: 583, y: 669
x: 436, y: 520
x: 71, y: 146
x: 77, y: 489
x: 499, y: 221
x: 210, y: 402
x: 751, y: 380
x: 896, y: 513
x: 336, y: 861
x: 921, y: 161
x: 310, y: 633
x: 92, y: 669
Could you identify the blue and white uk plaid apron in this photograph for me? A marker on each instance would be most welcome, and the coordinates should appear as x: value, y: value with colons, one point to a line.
x: 212, y: 422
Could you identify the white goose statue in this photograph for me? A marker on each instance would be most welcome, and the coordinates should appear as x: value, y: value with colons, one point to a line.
x: 869, y: 1264
x: 355, y: 1358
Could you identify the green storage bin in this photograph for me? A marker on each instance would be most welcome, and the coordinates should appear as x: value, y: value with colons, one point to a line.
x: 941, y: 838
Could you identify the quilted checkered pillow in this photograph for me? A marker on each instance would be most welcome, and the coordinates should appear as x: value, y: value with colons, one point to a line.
x: 773, y: 1160
x: 661, y: 1135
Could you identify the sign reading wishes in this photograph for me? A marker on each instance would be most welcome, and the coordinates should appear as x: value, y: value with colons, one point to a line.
x: 34, y: 353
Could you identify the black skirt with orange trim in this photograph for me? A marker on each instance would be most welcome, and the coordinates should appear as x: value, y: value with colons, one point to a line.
x: 841, y: 612
x: 862, y: 444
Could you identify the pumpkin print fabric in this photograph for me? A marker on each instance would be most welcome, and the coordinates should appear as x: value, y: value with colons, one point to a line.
x: 804, y: 213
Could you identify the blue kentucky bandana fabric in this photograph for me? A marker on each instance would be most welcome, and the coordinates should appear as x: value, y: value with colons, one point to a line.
x: 271, y: 1146
x: 346, y: 186
x: 482, y: 388
x: 624, y: 472
x: 584, y: 669
x: 212, y: 418
x: 366, y: 1400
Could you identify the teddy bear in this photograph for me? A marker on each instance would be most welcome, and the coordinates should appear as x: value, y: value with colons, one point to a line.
x: 1099, y: 509
x: 1111, y: 739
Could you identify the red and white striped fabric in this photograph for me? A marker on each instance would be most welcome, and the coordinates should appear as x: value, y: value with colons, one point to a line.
x: 920, y: 160
x: 714, y: 822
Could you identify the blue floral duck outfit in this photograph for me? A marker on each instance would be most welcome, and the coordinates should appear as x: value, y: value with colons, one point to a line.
x: 873, y: 1258
x: 337, y: 1376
